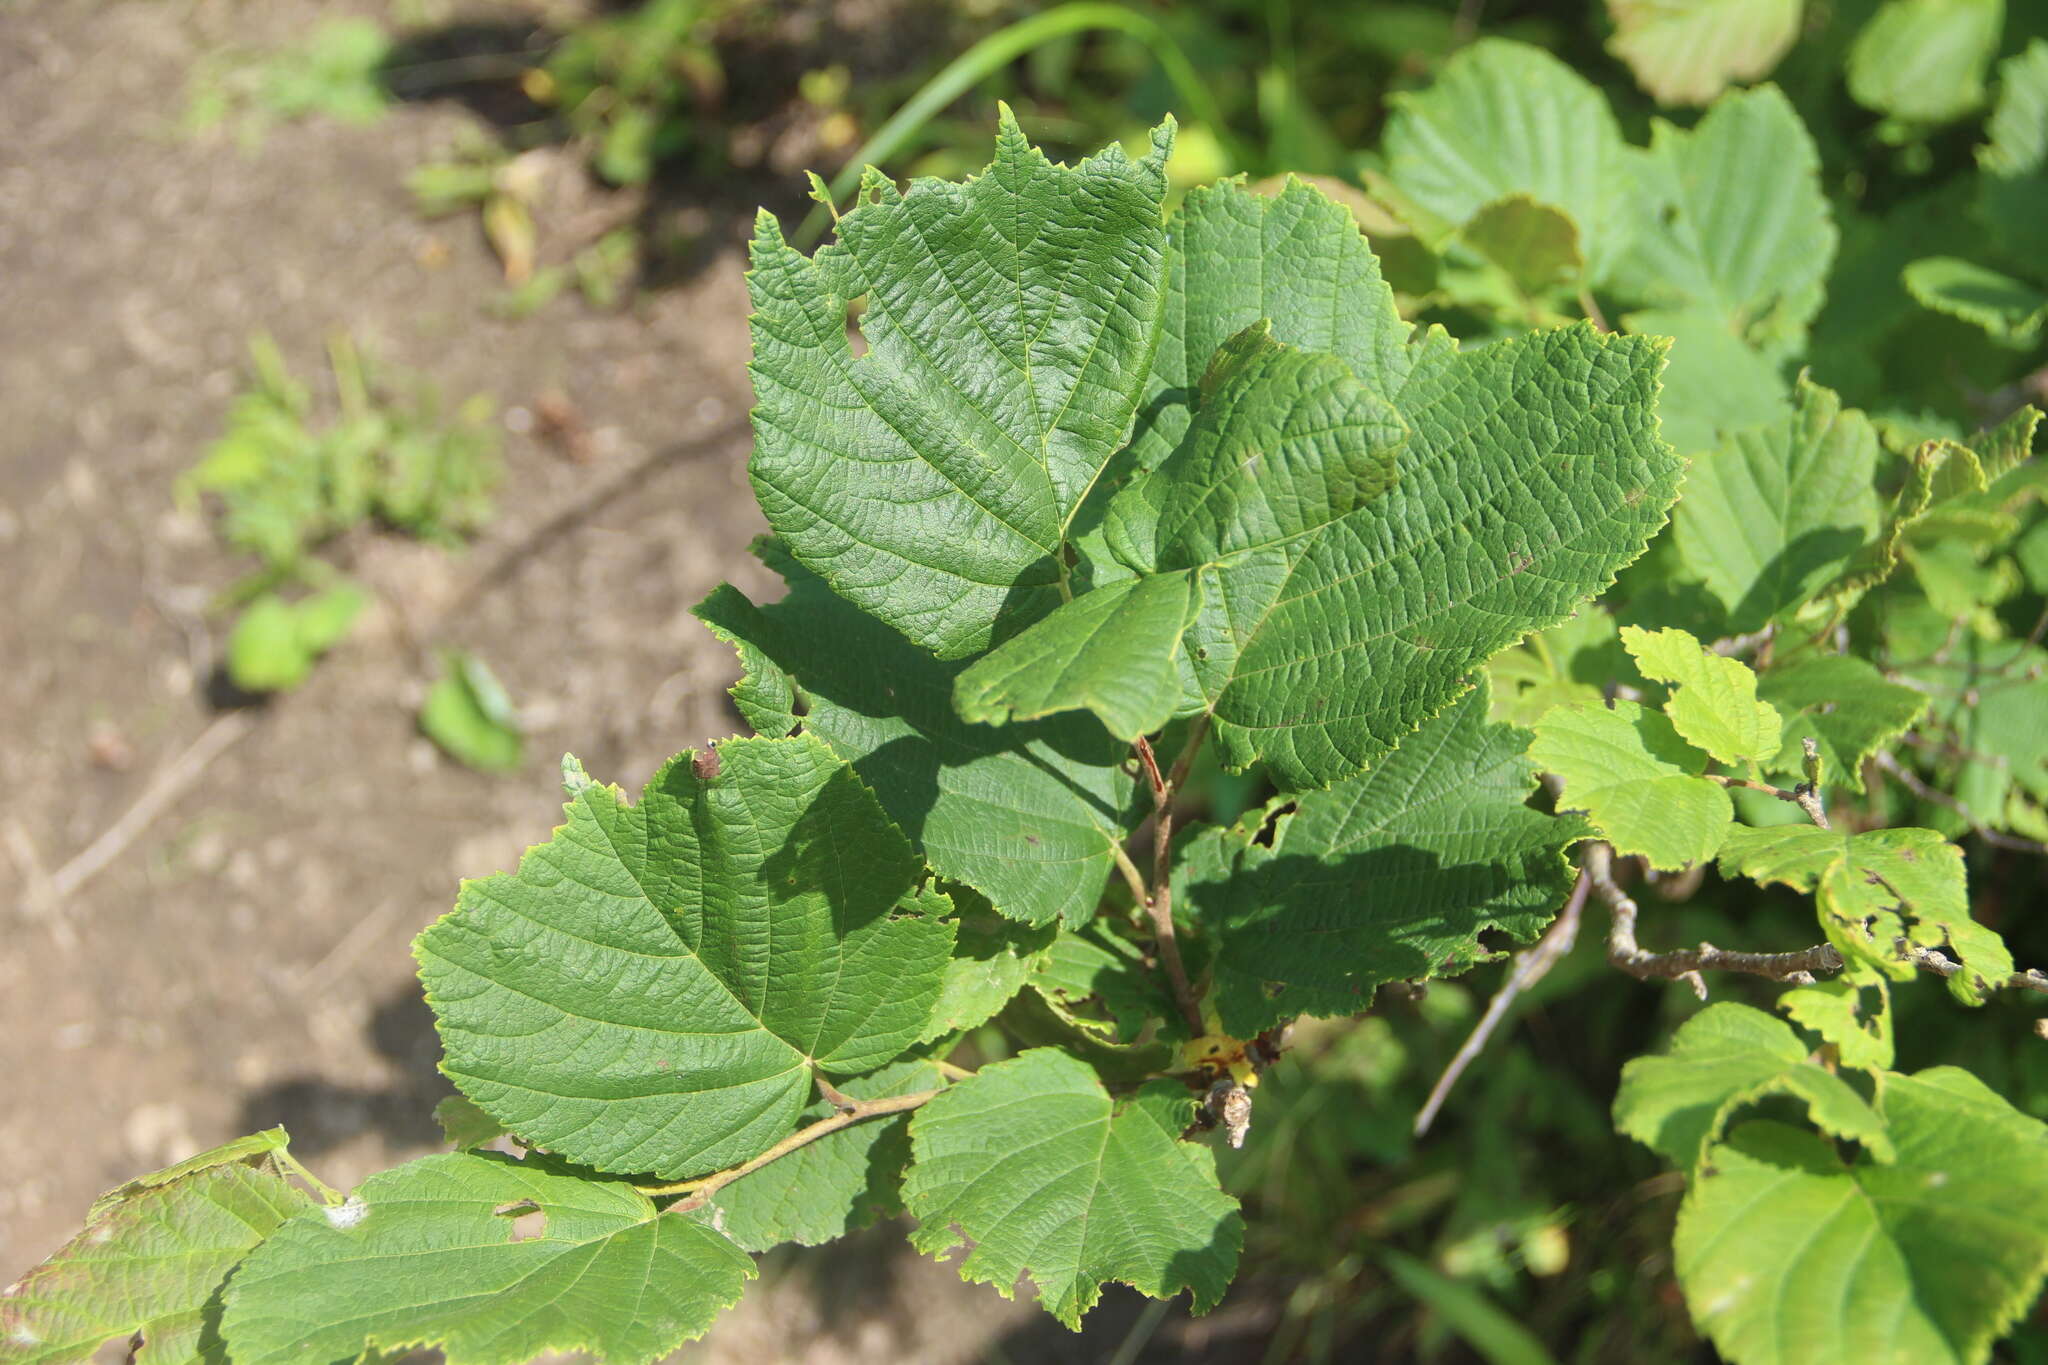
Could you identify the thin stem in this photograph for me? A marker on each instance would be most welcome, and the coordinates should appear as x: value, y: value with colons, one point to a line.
x: 283, y: 1157
x: 1133, y: 878
x: 1160, y: 904
x: 1910, y: 780
x: 952, y: 1071
x: 1530, y: 967
x: 1591, y: 309
x: 1803, y: 796
x: 704, y: 1187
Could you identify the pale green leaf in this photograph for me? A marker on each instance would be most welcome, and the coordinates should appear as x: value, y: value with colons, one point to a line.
x: 1876, y: 889
x: 654, y: 988
x: 468, y: 714
x: 1845, y: 706
x: 835, y: 1185
x: 1010, y: 325
x: 1569, y: 662
x: 1504, y: 118
x: 1726, y: 1058
x: 1537, y: 245
x: 1390, y: 876
x: 2016, y: 134
x: 1114, y: 651
x: 252, y: 1148
x: 1791, y: 1254
x: 1024, y: 814
x: 1924, y: 61
x: 2009, y: 309
x: 1716, y: 382
x: 1731, y: 221
x: 1781, y: 510
x: 1036, y: 1166
x: 1636, y: 780
x: 1688, y: 51
x: 425, y: 1255
x: 1840, y: 1011
x: 1992, y: 698
x: 150, y: 1262
x: 1714, y: 704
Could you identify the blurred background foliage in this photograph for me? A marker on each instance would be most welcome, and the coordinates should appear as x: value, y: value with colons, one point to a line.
x: 1522, y: 1229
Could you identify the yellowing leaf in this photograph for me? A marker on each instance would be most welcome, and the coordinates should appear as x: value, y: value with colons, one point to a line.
x: 1714, y: 703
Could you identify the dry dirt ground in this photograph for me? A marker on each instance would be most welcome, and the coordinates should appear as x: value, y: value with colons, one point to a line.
x: 244, y: 961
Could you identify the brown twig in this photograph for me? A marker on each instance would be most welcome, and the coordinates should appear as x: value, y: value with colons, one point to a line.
x: 833, y: 1095
x: 704, y: 1187
x: 1927, y: 959
x: 1531, y: 966
x: 1805, y: 797
x: 1686, y: 964
x: 1912, y: 782
x: 165, y: 787
x: 1160, y: 904
x: 1796, y: 968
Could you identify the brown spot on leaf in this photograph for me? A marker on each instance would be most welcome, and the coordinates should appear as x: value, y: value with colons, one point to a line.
x: 705, y: 765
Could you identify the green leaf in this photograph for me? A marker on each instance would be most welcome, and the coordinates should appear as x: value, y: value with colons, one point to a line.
x: 1319, y: 653
x: 1924, y: 61
x: 993, y: 958
x: 465, y: 1126
x: 1285, y: 442
x: 1845, y: 706
x: 1537, y: 245
x: 425, y: 1255
x: 1493, y: 494
x: 1714, y: 706
x: 1637, y: 781
x: 1024, y: 814
x: 1390, y: 876
x: 1096, y: 982
x: 276, y: 643
x: 1792, y: 1255
x: 1114, y: 651
x: 1781, y: 510
x: 1730, y: 218
x: 1498, y: 1337
x: 150, y: 1262
x: 468, y: 713
x: 654, y: 988
x: 1722, y: 1060
x: 825, y: 1189
x: 1688, y: 51
x: 2010, y: 310
x: 1504, y: 118
x: 1836, y: 1009
x: 1034, y: 1164
x: 1010, y: 326
x: 1296, y: 260
x: 1875, y: 890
